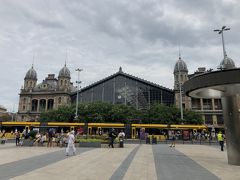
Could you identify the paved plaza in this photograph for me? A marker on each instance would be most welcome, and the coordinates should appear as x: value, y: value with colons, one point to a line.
x: 134, y: 161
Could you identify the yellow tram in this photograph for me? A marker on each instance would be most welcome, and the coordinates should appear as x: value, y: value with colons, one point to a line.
x: 132, y: 131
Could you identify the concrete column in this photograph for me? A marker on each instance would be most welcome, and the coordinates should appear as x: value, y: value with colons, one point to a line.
x: 232, y: 130
x: 201, y: 104
x: 46, y: 107
x: 38, y: 104
x: 213, y: 104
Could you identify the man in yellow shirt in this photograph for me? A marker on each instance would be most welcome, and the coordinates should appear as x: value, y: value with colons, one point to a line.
x: 220, y: 139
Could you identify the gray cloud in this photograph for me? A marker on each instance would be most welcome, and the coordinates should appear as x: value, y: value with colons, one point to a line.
x: 142, y: 36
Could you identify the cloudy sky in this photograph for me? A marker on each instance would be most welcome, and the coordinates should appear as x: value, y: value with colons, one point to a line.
x: 141, y: 36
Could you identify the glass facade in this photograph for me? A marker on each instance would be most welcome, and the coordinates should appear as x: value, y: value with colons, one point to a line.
x: 121, y: 89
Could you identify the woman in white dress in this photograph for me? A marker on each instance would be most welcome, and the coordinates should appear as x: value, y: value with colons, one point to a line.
x: 71, y: 147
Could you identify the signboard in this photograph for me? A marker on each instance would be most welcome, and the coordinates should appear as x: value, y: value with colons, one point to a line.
x: 186, y: 135
x: 142, y: 133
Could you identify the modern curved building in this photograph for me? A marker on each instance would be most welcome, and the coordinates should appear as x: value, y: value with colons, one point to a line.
x: 49, y: 94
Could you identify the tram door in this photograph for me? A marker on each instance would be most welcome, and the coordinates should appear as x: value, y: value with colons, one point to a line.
x: 133, y: 132
x: 99, y: 130
x: 27, y: 129
x: 89, y: 130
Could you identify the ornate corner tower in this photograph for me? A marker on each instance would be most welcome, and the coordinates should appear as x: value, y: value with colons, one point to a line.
x: 181, y: 76
x: 64, y: 79
x: 30, y: 79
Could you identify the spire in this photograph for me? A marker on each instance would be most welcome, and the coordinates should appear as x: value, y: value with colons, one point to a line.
x: 66, y: 58
x: 33, y: 60
x: 179, y: 52
x: 120, y: 69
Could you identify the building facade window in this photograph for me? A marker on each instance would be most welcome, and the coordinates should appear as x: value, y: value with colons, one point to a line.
x: 217, y: 104
x: 207, y: 104
x: 220, y: 120
x: 42, y: 105
x: 196, y: 104
x: 34, y: 104
x: 208, y: 119
x: 50, y: 104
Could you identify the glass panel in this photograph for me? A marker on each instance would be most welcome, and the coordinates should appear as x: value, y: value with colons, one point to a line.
x: 196, y: 104
x: 208, y: 119
x: 50, y: 104
x: 220, y: 120
x: 207, y: 104
x: 120, y: 90
x: 86, y: 96
x: 97, y: 93
x: 34, y: 104
x: 108, y: 91
x: 42, y: 105
x: 217, y: 104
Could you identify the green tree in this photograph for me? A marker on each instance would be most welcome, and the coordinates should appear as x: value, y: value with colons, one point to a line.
x: 191, y: 117
x: 105, y: 112
x: 122, y: 113
x: 62, y: 114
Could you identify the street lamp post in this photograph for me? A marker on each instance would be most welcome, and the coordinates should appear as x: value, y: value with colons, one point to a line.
x: 220, y: 31
x: 78, y: 82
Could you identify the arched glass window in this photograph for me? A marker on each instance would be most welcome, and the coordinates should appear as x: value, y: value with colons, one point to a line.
x: 34, y: 104
x: 59, y: 100
x: 50, y: 104
x: 42, y: 105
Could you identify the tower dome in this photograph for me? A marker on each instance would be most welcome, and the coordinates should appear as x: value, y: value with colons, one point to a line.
x: 31, y: 74
x: 227, y: 63
x: 64, y: 72
x: 180, y: 66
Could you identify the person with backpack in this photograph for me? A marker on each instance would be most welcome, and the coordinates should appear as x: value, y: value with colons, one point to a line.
x: 112, y: 135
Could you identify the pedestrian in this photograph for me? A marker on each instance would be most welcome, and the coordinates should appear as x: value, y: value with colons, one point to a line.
x: 71, y: 147
x: 51, y: 135
x: 17, y: 135
x: 112, y: 135
x: 3, y: 137
x: 121, y: 137
x: 121, y: 134
x: 173, y: 140
x: 220, y: 139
